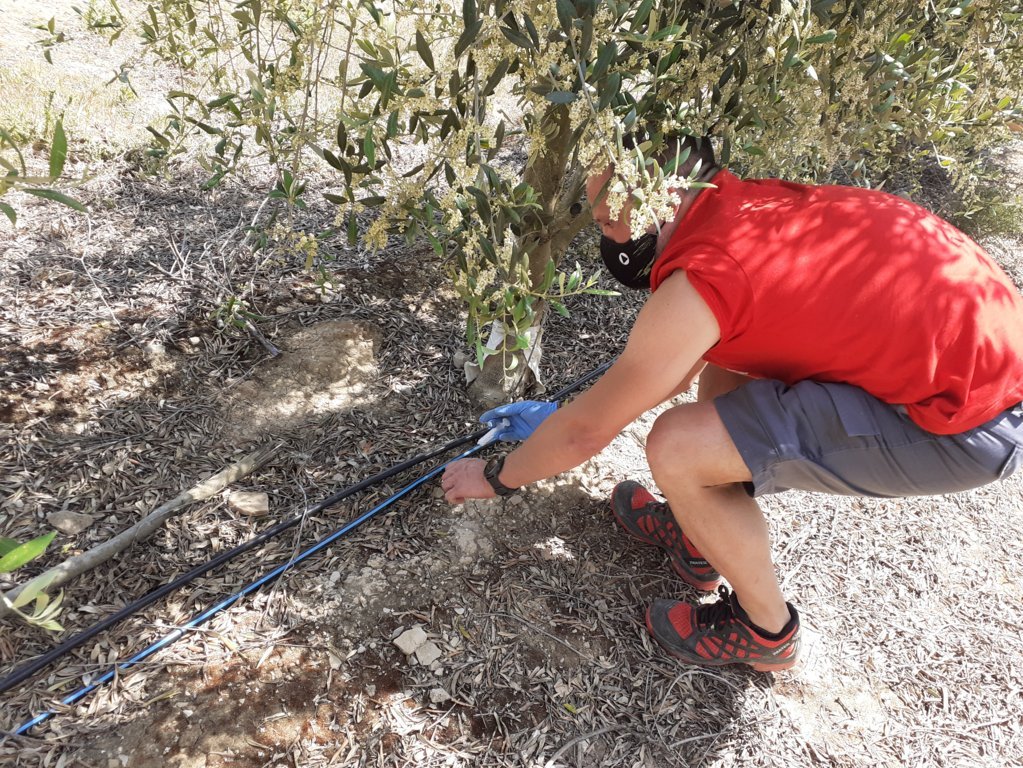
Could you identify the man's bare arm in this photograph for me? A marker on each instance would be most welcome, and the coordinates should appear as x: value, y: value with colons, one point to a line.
x: 672, y: 332
x: 687, y: 382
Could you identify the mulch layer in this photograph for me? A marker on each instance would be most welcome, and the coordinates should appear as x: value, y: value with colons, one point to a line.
x: 120, y: 391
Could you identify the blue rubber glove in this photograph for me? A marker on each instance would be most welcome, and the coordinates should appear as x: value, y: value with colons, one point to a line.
x: 516, y: 421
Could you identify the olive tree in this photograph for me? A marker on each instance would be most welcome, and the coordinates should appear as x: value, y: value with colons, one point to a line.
x: 14, y: 173
x: 472, y: 125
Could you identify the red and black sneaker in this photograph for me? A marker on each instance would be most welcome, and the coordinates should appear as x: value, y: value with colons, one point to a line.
x: 651, y: 521
x: 720, y: 633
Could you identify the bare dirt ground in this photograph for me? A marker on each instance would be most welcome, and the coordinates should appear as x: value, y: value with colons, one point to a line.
x: 119, y: 390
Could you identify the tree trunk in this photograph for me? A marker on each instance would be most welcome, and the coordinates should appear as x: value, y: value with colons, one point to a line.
x: 507, y: 375
x: 550, y: 232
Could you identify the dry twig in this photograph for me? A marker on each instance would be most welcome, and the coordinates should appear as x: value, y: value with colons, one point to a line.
x: 144, y: 528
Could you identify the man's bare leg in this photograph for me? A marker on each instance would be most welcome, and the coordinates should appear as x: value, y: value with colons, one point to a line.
x: 696, y: 465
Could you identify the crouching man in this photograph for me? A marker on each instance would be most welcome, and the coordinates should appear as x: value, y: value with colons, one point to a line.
x: 846, y: 341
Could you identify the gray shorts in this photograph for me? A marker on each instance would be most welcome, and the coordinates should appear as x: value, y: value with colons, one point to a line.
x: 836, y: 438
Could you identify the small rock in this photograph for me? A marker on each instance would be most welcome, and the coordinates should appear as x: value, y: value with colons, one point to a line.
x: 427, y: 653
x: 155, y: 349
x: 410, y: 640
x: 515, y: 498
x: 70, y: 523
x: 252, y: 503
x: 439, y: 696
x: 459, y: 359
x: 194, y: 340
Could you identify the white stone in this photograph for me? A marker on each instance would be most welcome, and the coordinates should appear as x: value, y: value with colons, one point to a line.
x: 427, y: 653
x: 410, y: 640
x: 69, y: 522
x: 251, y: 503
x: 155, y: 349
x: 439, y: 696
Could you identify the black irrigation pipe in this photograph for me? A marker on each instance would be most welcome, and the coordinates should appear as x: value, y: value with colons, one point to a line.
x: 266, y: 578
x: 84, y: 636
x: 29, y: 669
x: 26, y: 671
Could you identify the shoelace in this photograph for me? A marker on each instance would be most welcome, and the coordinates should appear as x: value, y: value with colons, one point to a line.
x: 718, y: 614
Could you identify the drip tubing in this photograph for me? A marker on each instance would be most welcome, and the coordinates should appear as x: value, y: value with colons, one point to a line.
x: 179, y: 632
x: 28, y: 670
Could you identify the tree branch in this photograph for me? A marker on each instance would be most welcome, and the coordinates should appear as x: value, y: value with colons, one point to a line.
x: 147, y: 526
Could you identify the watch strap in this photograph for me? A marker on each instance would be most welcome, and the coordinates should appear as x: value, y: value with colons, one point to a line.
x: 492, y: 472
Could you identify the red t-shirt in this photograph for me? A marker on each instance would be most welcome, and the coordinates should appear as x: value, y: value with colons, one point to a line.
x: 851, y: 285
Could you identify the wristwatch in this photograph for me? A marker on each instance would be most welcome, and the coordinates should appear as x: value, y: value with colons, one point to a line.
x: 491, y: 472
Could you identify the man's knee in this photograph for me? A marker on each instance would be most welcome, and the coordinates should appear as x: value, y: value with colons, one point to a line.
x: 689, y: 445
x: 671, y: 443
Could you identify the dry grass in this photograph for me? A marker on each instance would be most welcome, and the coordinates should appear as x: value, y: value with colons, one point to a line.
x: 100, y: 117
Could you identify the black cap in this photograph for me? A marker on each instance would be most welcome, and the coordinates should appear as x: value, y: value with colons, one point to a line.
x: 630, y: 262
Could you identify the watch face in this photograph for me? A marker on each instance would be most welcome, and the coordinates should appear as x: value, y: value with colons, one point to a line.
x: 491, y: 471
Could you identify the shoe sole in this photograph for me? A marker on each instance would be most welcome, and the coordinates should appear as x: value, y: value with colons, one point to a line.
x: 699, y: 661
x: 688, y: 578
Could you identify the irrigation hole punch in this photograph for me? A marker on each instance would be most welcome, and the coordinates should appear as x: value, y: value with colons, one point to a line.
x: 28, y: 670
